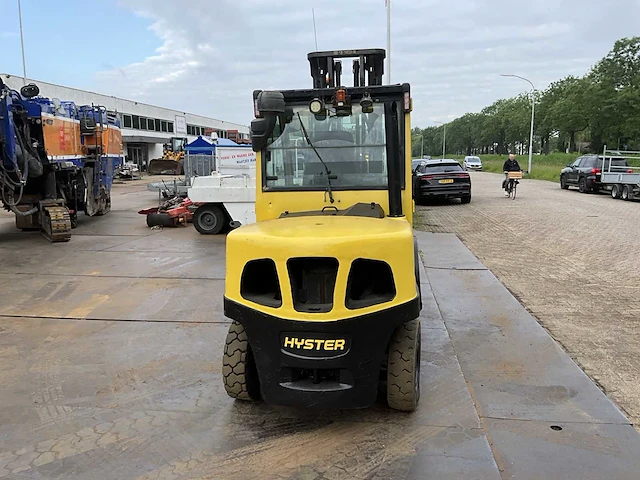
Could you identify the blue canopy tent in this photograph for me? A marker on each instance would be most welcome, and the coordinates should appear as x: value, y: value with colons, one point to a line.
x: 199, y: 155
x: 205, y: 146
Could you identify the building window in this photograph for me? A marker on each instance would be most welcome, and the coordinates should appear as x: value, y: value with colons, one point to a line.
x: 157, y: 125
x: 126, y: 120
x: 151, y: 123
x: 163, y: 125
x: 143, y: 123
x: 136, y: 122
x: 170, y: 126
x: 189, y: 129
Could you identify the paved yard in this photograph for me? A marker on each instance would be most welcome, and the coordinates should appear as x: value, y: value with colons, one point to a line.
x: 111, y: 369
x: 574, y: 262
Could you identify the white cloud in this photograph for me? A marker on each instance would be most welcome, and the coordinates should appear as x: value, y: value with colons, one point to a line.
x: 214, y: 54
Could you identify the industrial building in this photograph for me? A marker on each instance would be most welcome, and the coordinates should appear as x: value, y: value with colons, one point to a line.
x: 145, y: 128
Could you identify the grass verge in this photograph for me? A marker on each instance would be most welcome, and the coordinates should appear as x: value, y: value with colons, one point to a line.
x: 543, y: 167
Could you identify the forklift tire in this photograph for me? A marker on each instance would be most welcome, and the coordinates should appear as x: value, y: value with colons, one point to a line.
x: 209, y: 219
x: 238, y: 366
x: 160, y: 219
x: 403, y: 367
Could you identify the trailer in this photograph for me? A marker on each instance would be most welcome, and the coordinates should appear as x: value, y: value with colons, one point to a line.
x: 622, y: 182
x: 226, y: 198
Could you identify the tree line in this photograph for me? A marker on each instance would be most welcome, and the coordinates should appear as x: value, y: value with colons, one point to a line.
x: 572, y: 114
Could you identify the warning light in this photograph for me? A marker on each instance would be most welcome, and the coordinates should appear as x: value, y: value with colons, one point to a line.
x: 341, y: 102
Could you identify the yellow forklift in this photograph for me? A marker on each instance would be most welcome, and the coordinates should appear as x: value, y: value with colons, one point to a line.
x: 324, y: 289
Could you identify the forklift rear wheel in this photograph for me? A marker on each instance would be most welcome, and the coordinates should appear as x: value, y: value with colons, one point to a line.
x: 238, y: 366
x: 209, y: 219
x: 403, y: 367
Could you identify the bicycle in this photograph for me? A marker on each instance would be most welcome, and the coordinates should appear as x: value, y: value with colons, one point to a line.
x: 513, y: 179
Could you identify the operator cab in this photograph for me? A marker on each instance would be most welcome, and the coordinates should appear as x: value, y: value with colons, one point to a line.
x: 333, y: 138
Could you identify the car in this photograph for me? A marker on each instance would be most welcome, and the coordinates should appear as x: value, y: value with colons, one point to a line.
x: 472, y: 163
x: 585, y: 172
x: 442, y: 178
x: 417, y: 161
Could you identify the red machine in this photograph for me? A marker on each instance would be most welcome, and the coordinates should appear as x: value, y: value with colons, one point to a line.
x: 172, y: 213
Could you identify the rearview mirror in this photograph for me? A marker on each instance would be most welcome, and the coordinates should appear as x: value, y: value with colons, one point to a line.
x: 261, y: 130
x: 30, y: 91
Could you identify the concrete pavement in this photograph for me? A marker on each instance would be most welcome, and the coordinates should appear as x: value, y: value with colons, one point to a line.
x: 111, y: 352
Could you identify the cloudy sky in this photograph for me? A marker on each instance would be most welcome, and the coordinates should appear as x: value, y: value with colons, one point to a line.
x: 207, y: 56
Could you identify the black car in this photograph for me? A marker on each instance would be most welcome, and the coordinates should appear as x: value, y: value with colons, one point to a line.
x: 585, y: 172
x: 443, y: 178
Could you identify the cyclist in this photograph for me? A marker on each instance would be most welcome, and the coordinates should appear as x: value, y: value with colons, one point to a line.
x: 510, y: 165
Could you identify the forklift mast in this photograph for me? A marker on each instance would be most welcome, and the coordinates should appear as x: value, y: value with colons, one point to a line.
x: 368, y: 67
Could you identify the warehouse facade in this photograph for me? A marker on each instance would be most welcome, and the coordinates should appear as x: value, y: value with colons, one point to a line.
x: 145, y: 128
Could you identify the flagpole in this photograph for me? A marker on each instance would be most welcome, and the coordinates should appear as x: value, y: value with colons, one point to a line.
x: 388, y: 4
x: 24, y: 64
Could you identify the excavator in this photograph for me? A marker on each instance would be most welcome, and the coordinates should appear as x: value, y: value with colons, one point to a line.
x: 56, y: 159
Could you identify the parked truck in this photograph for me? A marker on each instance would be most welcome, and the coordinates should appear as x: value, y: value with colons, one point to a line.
x: 56, y: 159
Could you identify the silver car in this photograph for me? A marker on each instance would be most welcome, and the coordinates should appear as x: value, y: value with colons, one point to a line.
x: 472, y: 163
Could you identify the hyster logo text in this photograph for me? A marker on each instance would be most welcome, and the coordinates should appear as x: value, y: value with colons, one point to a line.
x: 314, y: 344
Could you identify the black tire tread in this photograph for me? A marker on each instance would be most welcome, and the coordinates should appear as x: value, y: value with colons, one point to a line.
x: 582, y: 185
x: 160, y: 219
x: 403, y: 348
x: 238, y: 370
x: 563, y: 183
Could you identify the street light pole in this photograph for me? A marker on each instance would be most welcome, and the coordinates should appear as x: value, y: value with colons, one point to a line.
x: 444, y: 138
x: 388, y: 5
x: 24, y: 64
x: 444, y: 141
x: 533, y: 110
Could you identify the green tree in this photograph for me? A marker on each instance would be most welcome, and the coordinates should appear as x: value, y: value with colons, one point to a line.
x: 602, y: 107
x: 571, y: 111
x: 615, y: 95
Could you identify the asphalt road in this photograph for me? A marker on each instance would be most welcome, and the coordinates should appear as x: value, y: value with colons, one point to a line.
x: 111, y: 345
